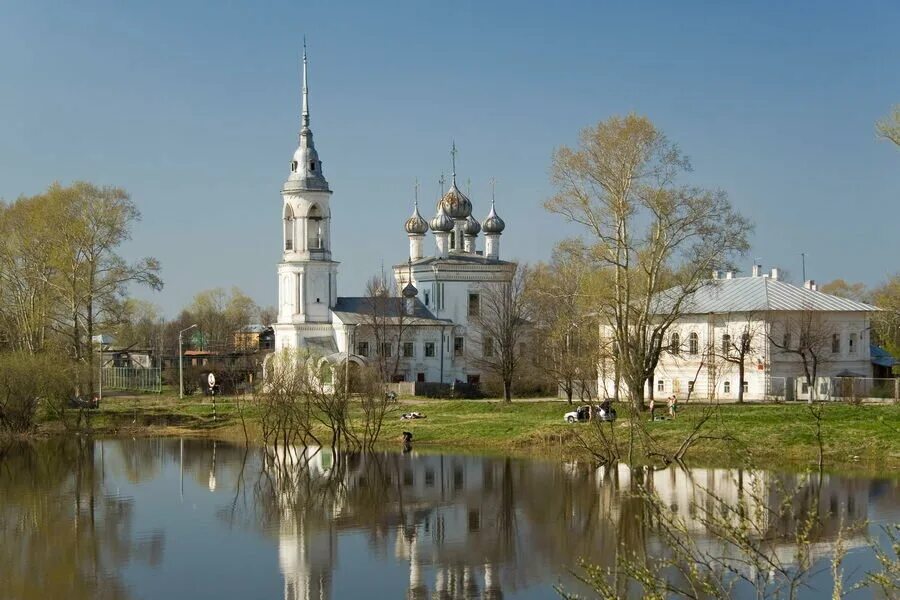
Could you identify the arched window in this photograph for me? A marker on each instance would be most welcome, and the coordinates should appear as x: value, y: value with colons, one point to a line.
x: 675, y: 344
x: 288, y: 227
x: 693, y: 343
x: 314, y: 239
x: 726, y: 344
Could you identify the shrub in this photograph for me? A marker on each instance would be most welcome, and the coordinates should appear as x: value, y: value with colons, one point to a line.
x: 26, y: 380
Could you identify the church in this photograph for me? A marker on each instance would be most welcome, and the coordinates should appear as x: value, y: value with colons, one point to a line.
x: 431, y: 336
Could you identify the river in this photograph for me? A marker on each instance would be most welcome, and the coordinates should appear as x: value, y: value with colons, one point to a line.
x: 191, y: 518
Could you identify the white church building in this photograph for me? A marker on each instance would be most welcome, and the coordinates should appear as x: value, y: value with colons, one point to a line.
x: 702, y: 351
x: 440, y: 290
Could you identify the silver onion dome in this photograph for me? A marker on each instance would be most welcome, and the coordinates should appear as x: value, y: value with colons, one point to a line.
x: 493, y: 223
x: 455, y: 203
x: 441, y: 222
x: 472, y: 226
x: 416, y: 225
x: 409, y: 290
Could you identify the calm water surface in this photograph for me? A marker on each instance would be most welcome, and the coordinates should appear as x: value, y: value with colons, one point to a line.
x: 170, y: 518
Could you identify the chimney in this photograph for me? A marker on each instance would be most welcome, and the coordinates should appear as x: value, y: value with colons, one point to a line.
x: 757, y: 270
x: 729, y: 275
x: 810, y: 284
x: 776, y: 273
x: 716, y: 274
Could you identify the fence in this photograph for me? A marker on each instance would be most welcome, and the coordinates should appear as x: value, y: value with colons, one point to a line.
x: 861, y: 388
x: 844, y: 389
x: 132, y: 379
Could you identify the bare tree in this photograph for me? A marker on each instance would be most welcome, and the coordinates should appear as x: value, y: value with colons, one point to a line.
x: 889, y: 127
x: 92, y: 277
x: 808, y: 336
x: 565, y: 332
x: 737, y: 347
x: 887, y: 320
x: 502, y: 321
x: 658, y: 239
x: 385, y: 320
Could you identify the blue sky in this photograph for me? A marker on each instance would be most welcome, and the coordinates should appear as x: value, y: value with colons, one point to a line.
x: 194, y: 108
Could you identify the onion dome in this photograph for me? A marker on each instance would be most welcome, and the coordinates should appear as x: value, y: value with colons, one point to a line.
x: 416, y: 225
x: 472, y: 226
x: 493, y: 223
x: 455, y: 203
x: 409, y: 290
x: 441, y: 222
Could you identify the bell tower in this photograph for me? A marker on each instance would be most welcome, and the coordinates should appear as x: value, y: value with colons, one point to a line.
x: 307, y: 276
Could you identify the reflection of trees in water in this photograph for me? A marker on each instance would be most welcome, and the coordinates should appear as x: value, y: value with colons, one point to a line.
x: 64, y: 535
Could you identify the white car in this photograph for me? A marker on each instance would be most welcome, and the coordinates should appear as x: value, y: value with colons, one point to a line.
x: 580, y: 414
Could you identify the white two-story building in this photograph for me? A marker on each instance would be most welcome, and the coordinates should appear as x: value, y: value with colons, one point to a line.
x: 761, y: 321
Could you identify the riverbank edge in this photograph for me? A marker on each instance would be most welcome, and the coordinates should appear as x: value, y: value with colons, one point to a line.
x: 856, y: 438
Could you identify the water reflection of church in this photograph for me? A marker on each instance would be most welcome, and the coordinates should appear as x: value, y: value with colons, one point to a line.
x: 472, y: 527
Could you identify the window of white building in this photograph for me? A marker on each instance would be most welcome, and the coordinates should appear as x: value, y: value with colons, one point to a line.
x: 726, y: 387
x: 408, y: 350
x: 746, y: 386
x: 675, y: 344
x: 362, y: 348
x: 835, y: 343
x: 726, y: 344
x: 852, y: 346
x: 693, y: 343
x: 473, y: 305
x: 487, y: 347
x: 288, y: 228
x: 429, y: 349
x: 660, y: 386
x: 458, y: 346
x: 386, y: 349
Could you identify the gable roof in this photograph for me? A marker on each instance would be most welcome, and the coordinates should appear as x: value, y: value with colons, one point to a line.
x: 759, y: 294
x: 355, y: 310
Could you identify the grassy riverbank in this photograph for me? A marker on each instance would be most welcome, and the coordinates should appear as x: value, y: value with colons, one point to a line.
x: 867, y: 435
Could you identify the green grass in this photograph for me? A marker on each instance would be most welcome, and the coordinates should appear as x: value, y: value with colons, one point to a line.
x: 866, y: 435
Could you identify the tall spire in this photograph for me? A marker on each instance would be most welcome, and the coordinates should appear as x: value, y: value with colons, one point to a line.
x: 305, y: 113
x: 306, y: 168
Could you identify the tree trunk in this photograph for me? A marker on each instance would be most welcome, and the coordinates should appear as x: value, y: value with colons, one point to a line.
x: 636, y: 393
x: 507, y: 390
x: 741, y: 367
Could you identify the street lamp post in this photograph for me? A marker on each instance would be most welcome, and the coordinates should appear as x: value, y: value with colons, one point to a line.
x: 181, y: 363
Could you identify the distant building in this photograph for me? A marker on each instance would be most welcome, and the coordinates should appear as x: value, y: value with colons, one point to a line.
x: 254, y: 337
x: 437, y: 294
x: 700, y: 352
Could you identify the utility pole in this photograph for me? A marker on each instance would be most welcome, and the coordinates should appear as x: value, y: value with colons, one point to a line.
x: 803, y: 262
x: 181, y: 363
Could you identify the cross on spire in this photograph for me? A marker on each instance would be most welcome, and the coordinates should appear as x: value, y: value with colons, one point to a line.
x: 453, y: 159
x: 416, y: 194
x: 493, y: 182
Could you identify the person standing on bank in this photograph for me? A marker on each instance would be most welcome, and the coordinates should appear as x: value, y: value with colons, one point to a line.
x: 673, y: 404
